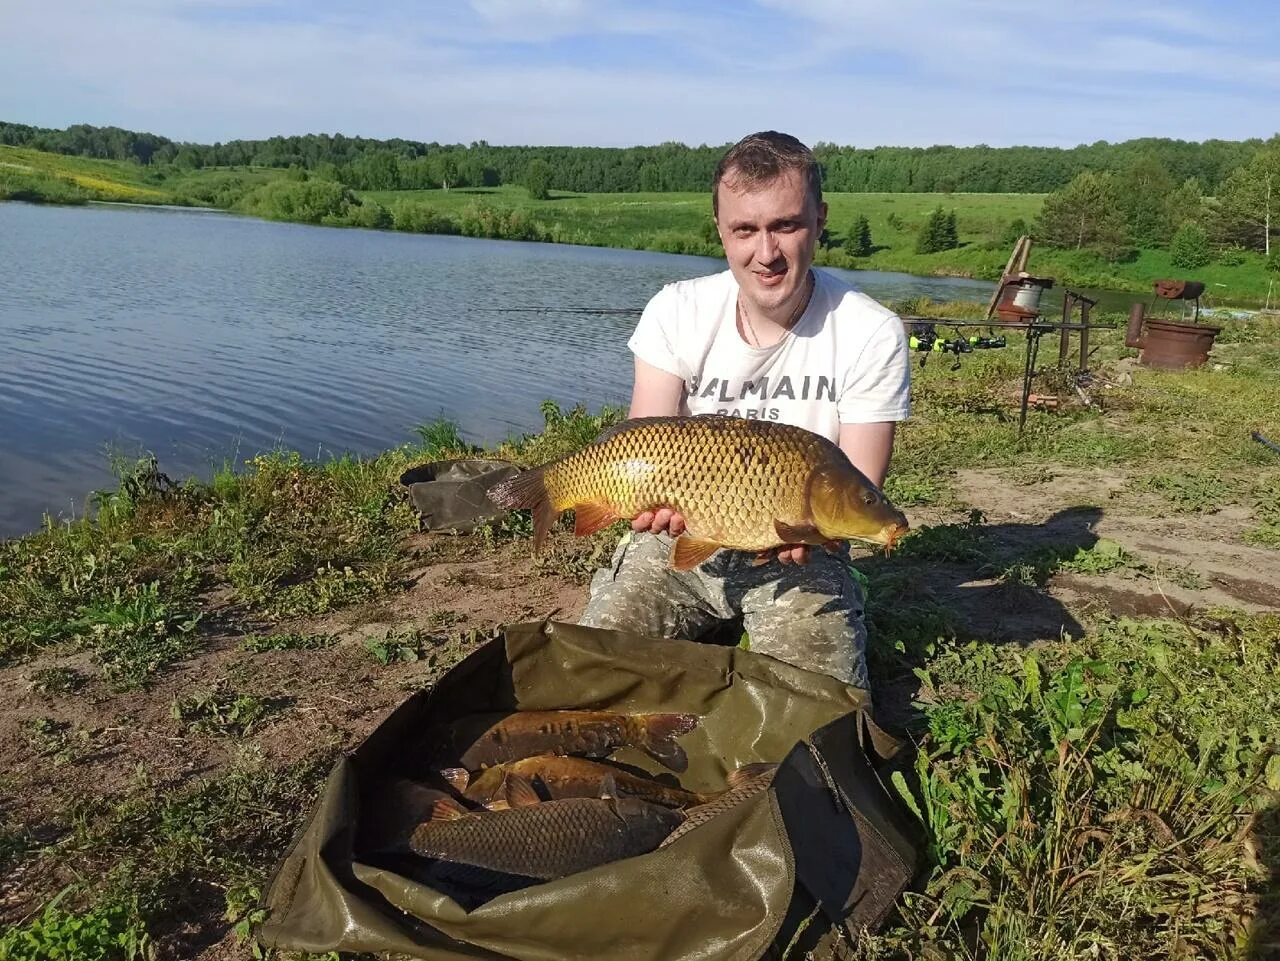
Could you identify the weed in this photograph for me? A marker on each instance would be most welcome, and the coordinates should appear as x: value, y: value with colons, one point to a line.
x: 910, y: 489
x: 134, y: 633
x: 956, y: 543
x: 222, y: 711
x: 1102, y: 558
x: 396, y: 647
x: 564, y: 432
x: 442, y: 440
x: 161, y: 847
x: 56, y: 680
x: 58, y: 741
x: 577, y: 559
x: 107, y: 932
x: 260, y: 643
x: 1189, y: 493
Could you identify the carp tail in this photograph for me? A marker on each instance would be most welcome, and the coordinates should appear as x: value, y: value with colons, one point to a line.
x: 527, y: 491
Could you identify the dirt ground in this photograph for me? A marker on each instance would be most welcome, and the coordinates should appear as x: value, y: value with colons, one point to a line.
x: 336, y: 696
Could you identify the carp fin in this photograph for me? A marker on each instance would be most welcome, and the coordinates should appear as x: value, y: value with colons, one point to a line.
x: 609, y: 788
x: 589, y: 518
x: 527, y: 490
x: 799, y: 533
x: 519, y: 792
x: 447, y: 809
x: 691, y: 551
x: 749, y: 772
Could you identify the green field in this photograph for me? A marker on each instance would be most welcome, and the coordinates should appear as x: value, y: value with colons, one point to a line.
x: 668, y: 222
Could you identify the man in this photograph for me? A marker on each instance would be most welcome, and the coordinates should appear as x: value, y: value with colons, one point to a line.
x: 770, y: 338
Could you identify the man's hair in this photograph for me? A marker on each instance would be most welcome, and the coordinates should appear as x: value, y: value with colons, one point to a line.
x: 761, y: 157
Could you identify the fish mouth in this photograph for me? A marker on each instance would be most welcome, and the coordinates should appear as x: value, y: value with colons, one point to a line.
x: 891, y: 534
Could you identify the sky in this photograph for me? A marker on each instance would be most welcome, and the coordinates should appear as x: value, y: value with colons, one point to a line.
x: 861, y: 73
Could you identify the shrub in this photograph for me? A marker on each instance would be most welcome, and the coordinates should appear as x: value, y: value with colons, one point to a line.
x: 311, y: 202
x: 1190, y: 246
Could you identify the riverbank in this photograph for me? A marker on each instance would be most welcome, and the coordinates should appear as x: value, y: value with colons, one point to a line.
x: 1079, y: 637
x: 664, y: 222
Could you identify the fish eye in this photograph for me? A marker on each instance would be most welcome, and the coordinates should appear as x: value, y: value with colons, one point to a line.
x: 869, y: 497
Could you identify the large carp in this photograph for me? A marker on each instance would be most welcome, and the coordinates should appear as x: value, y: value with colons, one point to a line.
x: 742, y: 484
x: 484, y: 740
x: 544, y: 841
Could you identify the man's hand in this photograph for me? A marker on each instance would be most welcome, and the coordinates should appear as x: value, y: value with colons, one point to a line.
x: 663, y: 519
x: 787, y: 554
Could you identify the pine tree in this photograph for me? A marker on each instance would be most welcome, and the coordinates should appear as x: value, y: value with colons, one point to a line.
x: 858, y: 243
x: 950, y: 233
x: 938, y: 233
x: 931, y: 234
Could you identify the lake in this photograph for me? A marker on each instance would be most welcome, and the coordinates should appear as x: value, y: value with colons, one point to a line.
x: 205, y: 338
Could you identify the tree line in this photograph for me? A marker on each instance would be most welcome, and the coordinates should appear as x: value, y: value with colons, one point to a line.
x: 1143, y: 205
x: 368, y: 164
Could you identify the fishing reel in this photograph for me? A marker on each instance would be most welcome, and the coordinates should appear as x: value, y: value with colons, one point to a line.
x: 924, y: 338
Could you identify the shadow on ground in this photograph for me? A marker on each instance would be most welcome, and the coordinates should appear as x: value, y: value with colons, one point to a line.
x: 969, y: 581
x: 1264, y: 933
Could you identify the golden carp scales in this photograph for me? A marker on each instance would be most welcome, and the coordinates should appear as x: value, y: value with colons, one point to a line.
x: 742, y: 484
x: 484, y: 740
x: 756, y: 781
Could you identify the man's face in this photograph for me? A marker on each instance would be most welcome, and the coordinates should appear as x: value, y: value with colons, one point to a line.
x: 769, y: 234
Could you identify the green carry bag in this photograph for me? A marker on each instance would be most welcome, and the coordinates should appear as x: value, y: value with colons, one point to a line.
x: 826, y: 844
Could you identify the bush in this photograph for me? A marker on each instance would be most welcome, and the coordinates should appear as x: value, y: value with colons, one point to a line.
x: 420, y: 219
x: 1190, y: 246
x: 1273, y: 261
x: 537, y: 178
x: 370, y: 213
x: 1233, y: 256
x: 1016, y: 229
x: 310, y: 202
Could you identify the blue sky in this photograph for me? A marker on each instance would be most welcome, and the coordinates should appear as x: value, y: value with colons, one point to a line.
x: 604, y: 72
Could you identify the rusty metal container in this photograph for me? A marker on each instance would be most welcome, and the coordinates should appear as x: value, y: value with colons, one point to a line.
x: 1169, y: 345
x: 1019, y: 298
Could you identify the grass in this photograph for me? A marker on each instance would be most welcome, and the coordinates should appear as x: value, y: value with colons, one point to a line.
x: 1107, y: 794
x: 1087, y: 802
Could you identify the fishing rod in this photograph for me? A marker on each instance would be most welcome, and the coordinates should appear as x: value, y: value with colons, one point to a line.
x: 628, y: 311
x: 1264, y: 442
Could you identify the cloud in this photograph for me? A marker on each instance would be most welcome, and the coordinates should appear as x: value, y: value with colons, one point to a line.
x: 612, y: 73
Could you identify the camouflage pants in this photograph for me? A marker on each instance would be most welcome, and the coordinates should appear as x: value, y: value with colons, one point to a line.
x: 808, y: 615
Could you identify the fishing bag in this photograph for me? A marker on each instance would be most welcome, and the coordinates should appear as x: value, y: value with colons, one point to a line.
x: 452, y: 495
x: 825, y: 847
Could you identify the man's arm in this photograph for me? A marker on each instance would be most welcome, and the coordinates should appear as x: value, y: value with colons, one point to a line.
x: 869, y: 447
x: 656, y: 392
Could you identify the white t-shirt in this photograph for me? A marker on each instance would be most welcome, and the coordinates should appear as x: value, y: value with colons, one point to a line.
x: 845, y: 361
